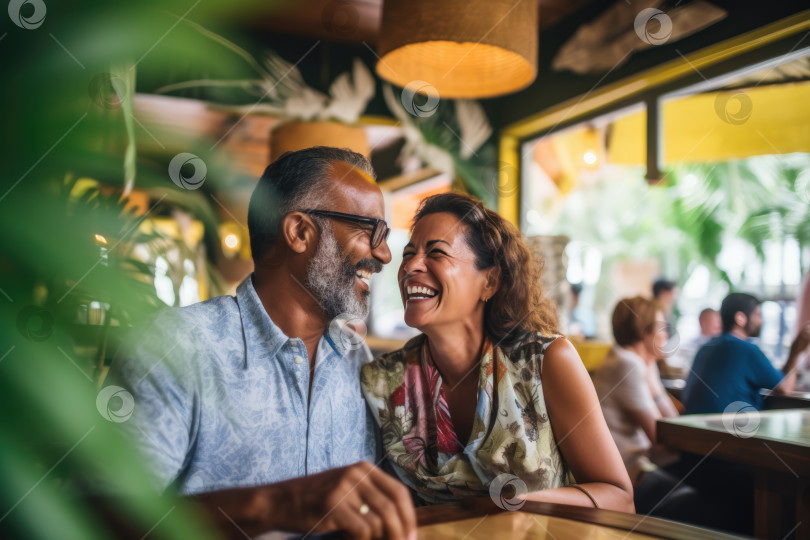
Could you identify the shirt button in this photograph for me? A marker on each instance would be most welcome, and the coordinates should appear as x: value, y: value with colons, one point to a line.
x: 298, y: 359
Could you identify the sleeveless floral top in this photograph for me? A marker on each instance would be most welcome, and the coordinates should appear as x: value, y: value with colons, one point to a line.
x: 511, y: 432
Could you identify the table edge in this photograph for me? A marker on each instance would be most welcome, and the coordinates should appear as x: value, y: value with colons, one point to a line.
x: 641, y: 524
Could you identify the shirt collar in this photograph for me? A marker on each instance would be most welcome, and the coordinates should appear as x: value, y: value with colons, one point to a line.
x: 257, y: 327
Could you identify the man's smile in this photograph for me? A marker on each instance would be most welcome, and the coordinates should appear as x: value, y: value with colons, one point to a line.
x: 364, y: 276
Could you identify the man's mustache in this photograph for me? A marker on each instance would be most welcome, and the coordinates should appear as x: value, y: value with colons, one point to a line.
x: 372, y: 265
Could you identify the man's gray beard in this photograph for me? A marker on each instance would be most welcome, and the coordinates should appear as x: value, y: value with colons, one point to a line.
x: 331, y: 279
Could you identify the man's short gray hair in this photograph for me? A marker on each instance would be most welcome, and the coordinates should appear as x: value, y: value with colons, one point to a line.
x: 295, y: 181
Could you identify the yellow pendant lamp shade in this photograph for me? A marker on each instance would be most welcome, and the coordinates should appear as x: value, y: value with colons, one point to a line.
x: 463, y: 48
x: 294, y: 136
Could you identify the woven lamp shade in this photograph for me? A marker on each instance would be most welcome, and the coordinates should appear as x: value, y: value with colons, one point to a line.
x: 463, y: 48
x: 294, y: 136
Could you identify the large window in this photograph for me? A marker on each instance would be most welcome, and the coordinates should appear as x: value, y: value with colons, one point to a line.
x: 731, y: 210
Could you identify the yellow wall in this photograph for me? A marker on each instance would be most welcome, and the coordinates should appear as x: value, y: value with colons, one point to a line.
x: 720, y: 126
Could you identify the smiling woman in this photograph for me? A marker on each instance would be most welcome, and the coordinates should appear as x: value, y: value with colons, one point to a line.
x: 528, y: 416
x: 515, y: 304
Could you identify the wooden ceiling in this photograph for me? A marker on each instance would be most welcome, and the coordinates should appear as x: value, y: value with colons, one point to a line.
x: 358, y: 21
x: 797, y: 70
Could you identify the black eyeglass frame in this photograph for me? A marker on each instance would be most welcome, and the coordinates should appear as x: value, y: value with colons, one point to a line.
x: 374, y: 222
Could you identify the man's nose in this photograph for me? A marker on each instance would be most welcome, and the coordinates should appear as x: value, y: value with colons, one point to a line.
x: 382, y: 253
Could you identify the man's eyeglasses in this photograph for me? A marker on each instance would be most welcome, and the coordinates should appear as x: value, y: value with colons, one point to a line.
x: 379, y: 232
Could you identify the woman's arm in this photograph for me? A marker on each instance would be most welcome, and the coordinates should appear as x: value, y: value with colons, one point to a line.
x: 582, y: 435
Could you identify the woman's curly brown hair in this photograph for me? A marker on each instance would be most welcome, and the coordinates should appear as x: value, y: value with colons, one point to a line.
x: 519, y: 307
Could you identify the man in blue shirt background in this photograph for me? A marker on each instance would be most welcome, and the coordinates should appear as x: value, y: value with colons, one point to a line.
x: 252, y: 403
x: 728, y: 369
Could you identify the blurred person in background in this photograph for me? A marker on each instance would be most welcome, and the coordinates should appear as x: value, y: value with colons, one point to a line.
x: 583, y: 319
x: 710, y: 326
x: 728, y: 369
x: 633, y: 398
x: 726, y: 377
x: 665, y: 292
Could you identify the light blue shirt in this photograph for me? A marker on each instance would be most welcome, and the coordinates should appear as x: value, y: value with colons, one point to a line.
x: 221, y: 397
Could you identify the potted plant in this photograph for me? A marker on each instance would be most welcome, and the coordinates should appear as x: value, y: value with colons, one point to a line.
x: 307, y: 117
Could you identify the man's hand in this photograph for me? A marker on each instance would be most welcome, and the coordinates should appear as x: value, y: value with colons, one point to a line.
x: 799, y: 344
x: 359, y: 500
x: 332, y: 501
x: 802, y: 340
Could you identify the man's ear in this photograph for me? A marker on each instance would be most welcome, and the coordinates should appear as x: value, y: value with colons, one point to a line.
x: 299, y: 231
x: 740, y: 319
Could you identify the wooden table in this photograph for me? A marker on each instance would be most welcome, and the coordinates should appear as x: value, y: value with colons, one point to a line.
x: 482, y: 519
x: 790, y: 400
x: 777, y: 451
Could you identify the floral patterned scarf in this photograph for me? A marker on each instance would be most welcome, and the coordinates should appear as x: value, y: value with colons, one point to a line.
x: 510, y: 434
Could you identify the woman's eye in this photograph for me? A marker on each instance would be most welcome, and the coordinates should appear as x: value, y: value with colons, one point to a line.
x: 435, y: 252
x: 407, y: 254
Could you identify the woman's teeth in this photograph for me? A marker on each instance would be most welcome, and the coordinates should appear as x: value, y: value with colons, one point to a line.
x: 364, y: 276
x: 417, y: 292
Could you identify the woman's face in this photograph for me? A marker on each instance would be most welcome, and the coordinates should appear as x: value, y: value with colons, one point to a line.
x: 656, y: 340
x: 438, y: 279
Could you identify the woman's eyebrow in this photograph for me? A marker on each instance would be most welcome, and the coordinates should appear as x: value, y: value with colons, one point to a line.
x: 431, y: 242
x: 428, y: 244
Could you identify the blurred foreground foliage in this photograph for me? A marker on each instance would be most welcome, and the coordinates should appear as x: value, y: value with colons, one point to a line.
x: 64, y: 121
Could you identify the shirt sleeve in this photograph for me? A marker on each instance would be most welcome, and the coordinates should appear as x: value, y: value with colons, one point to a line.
x: 632, y: 392
x: 152, y: 366
x: 761, y: 371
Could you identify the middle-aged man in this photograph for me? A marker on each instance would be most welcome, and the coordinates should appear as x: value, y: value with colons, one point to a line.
x: 252, y: 403
x: 729, y: 369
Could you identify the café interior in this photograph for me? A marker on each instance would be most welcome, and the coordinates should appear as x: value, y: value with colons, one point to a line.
x: 651, y: 149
